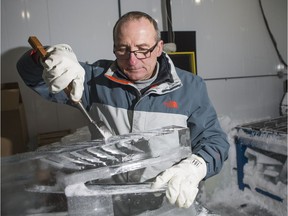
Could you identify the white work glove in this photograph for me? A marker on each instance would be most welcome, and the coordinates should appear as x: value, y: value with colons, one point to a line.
x: 183, y: 180
x: 60, y: 68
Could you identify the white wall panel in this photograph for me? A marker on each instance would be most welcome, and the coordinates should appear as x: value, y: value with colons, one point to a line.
x: 246, y: 99
x: 151, y: 7
x: 21, y: 18
x: 277, y: 22
x: 232, y: 39
x: 84, y: 24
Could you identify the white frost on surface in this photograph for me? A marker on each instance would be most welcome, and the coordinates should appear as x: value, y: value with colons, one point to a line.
x: 78, y: 189
x: 226, y: 198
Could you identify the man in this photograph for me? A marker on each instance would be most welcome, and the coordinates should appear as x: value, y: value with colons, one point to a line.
x: 140, y: 90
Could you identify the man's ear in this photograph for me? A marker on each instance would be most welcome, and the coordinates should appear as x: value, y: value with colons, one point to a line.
x: 160, y: 48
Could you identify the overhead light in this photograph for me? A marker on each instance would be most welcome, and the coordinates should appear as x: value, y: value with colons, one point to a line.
x: 25, y: 14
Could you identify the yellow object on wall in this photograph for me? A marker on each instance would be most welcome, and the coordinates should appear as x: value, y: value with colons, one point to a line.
x: 184, y: 60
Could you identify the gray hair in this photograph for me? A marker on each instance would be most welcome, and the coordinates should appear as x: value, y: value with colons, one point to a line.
x: 135, y: 15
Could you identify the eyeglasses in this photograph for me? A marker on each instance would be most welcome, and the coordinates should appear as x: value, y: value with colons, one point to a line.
x: 124, y: 54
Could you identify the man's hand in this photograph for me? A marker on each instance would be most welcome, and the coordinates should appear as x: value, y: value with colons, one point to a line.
x: 183, y: 180
x: 60, y: 68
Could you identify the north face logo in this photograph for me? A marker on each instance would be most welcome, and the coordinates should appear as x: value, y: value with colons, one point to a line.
x: 171, y: 104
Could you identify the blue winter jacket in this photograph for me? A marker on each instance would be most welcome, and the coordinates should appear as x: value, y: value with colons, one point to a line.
x: 176, y: 97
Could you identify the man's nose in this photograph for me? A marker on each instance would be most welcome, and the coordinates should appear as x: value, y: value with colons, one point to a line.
x: 132, y: 58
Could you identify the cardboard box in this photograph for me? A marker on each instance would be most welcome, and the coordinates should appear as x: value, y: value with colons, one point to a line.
x: 13, y: 118
x: 6, y: 147
x: 10, y: 96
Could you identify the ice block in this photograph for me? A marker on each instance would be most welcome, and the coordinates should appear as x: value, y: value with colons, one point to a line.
x: 53, y: 171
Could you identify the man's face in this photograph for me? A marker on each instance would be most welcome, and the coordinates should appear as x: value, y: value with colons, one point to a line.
x: 138, y: 35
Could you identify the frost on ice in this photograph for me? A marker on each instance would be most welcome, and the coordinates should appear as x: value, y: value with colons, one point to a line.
x: 92, y: 177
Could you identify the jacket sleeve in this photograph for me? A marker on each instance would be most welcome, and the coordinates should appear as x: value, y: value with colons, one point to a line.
x: 208, y: 139
x: 30, y: 70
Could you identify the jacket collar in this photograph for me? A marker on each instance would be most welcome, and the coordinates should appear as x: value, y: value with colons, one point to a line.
x: 167, y: 76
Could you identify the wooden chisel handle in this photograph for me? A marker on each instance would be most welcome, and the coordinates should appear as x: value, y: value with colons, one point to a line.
x: 38, y: 47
